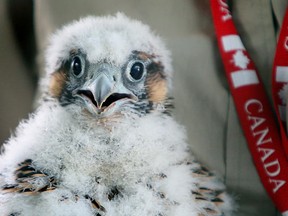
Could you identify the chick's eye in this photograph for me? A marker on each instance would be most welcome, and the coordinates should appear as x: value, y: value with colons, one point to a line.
x: 76, y: 66
x: 137, y: 71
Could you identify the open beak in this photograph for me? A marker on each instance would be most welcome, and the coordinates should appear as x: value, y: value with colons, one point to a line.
x: 103, y: 93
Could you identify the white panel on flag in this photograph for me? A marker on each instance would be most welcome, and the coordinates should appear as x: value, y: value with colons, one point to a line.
x: 281, y: 74
x: 285, y: 213
x: 232, y: 42
x: 244, y: 78
x: 282, y: 112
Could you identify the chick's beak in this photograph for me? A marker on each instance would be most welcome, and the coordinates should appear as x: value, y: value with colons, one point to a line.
x: 104, y: 92
x: 100, y: 90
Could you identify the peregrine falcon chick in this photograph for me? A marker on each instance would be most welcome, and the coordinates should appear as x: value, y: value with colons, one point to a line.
x: 102, y: 143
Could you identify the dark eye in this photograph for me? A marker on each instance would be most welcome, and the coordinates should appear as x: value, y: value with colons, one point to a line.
x: 137, y: 71
x: 76, y: 66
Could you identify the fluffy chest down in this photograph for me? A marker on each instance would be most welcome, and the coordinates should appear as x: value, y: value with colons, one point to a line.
x: 120, y: 152
x: 134, y: 166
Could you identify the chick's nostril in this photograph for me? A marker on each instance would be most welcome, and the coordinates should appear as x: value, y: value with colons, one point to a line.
x: 114, y: 78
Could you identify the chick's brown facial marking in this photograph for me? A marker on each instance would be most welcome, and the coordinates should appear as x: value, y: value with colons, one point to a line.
x: 156, y: 81
x: 156, y: 85
x: 57, y: 83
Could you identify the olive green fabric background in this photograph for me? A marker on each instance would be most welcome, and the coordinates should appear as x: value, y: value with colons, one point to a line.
x: 16, y: 85
x: 203, y: 102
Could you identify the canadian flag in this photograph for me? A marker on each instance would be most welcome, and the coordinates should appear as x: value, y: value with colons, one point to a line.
x: 232, y: 43
x: 244, y: 76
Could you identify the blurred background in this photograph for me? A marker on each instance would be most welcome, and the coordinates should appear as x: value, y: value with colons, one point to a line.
x: 17, y: 59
